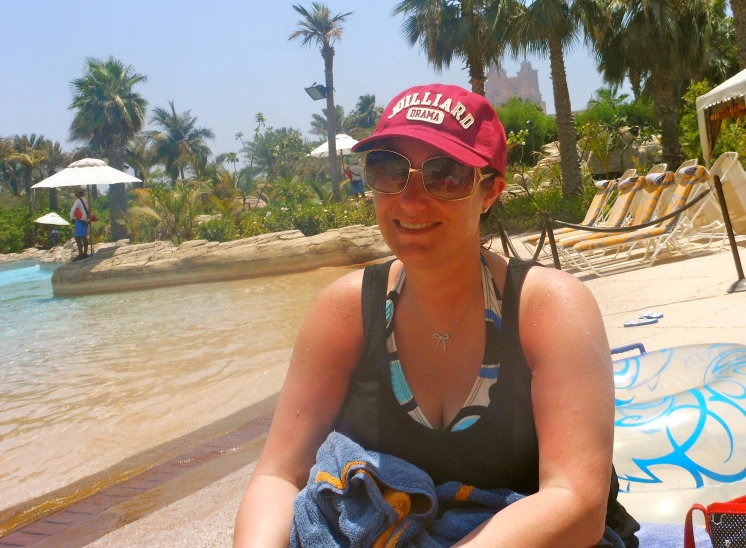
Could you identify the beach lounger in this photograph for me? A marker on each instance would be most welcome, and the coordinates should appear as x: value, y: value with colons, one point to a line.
x: 598, y: 211
x: 648, y: 195
x: 615, y: 252
x: 733, y: 178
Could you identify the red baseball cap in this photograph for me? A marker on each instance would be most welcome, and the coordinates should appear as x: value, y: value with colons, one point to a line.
x: 457, y: 122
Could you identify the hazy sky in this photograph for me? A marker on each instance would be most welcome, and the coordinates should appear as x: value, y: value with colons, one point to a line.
x: 224, y: 60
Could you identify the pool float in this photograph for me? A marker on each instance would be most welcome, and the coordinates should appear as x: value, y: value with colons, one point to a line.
x: 680, y: 429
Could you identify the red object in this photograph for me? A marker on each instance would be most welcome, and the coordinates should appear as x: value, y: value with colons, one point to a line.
x: 725, y: 522
x: 460, y: 123
x: 78, y: 214
x: 93, y: 218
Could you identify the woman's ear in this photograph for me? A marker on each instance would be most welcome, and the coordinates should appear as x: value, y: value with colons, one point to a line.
x: 493, y: 192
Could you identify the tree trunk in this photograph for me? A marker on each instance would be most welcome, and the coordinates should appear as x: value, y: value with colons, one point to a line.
x: 331, y: 121
x: 117, y: 197
x: 94, y: 192
x: 569, y: 162
x: 636, y: 84
x: 53, y: 206
x: 14, y: 184
x: 667, y: 112
x: 738, y: 7
x: 476, y: 75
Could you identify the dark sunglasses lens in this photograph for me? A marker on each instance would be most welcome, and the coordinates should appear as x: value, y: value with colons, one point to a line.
x: 447, y: 179
x: 386, y: 171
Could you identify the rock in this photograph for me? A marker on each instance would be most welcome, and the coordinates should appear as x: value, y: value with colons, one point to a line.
x: 158, y: 264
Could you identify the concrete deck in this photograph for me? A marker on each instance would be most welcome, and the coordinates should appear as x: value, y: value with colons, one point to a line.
x: 690, y: 293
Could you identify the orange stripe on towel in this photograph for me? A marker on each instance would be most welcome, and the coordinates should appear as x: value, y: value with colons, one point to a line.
x: 463, y: 493
x: 341, y: 481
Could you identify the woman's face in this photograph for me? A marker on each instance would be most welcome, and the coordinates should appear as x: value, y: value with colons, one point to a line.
x: 419, y: 228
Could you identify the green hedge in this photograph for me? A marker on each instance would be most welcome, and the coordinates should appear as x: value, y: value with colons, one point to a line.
x: 309, y: 218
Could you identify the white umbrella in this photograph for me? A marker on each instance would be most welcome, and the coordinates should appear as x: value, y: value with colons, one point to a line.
x: 86, y: 172
x: 344, y: 144
x: 52, y: 219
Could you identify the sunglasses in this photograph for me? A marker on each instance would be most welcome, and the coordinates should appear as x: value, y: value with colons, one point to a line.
x: 444, y: 178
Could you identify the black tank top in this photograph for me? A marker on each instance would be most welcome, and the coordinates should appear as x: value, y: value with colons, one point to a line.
x: 499, y: 450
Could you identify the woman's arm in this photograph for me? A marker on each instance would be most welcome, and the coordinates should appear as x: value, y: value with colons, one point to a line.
x: 563, y: 337
x: 324, y: 356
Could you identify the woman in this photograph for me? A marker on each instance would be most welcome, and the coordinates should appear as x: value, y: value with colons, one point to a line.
x: 449, y: 323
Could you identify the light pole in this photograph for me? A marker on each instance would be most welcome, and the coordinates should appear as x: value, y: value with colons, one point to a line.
x: 530, y: 125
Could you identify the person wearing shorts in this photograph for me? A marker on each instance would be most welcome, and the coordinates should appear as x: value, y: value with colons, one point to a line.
x: 79, y: 214
x: 356, y: 181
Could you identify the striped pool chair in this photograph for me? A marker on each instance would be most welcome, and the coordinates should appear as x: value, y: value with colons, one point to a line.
x: 652, y: 187
x: 656, y: 237
x: 598, y: 211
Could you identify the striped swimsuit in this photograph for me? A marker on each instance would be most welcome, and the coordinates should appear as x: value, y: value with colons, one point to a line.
x: 479, y: 397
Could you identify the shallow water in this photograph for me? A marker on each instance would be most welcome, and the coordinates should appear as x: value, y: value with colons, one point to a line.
x: 88, y: 381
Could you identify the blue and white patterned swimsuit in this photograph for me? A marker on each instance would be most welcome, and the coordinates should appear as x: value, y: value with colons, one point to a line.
x: 479, y: 397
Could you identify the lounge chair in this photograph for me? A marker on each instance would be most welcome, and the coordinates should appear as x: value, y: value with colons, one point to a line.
x: 733, y: 178
x: 597, y: 255
x: 653, y: 185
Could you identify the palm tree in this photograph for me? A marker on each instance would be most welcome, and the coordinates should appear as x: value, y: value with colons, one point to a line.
x: 446, y: 30
x: 738, y: 7
x: 141, y: 157
x: 320, y: 122
x: 231, y: 158
x: 28, y: 150
x: 367, y: 113
x: 320, y: 28
x: 108, y: 114
x: 57, y: 159
x: 181, y: 143
x: 685, y: 36
x: 549, y: 28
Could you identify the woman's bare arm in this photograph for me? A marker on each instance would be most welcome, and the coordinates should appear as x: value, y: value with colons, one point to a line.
x: 324, y: 356
x: 563, y: 337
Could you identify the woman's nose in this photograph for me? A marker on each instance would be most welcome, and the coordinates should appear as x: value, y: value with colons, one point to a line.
x: 414, y: 195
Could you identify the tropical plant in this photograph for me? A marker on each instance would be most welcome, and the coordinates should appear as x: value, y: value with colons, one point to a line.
x: 276, y: 154
x: 732, y: 135
x: 28, y: 151
x: 446, y: 29
x: 549, y: 28
x: 108, y: 114
x: 686, y: 36
x: 57, y: 160
x: 738, y: 7
x: 320, y: 122
x: 180, y: 143
x: 515, y: 115
x: 141, y: 157
x: 320, y: 28
x: 246, y: 179
x: 174, y: 210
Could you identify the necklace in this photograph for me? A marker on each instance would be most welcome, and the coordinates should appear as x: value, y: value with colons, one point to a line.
x: 443, y: 337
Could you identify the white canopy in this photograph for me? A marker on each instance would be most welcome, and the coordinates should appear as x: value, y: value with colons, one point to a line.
x: 52, y: 219
x: 344, y: 144
x: 725, y: 101
x: 85, y: 172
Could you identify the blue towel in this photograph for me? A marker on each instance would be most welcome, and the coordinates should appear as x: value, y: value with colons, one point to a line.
x: 356, y: 497
x: 666, y: 535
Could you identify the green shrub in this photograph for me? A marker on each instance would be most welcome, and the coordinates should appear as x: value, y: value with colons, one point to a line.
x: 309, y: 218
x: 524, y: 212
x: 15, y: 225
x: 216, y: 230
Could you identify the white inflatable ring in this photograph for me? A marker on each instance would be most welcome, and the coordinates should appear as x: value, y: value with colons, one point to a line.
x: 680, y: 429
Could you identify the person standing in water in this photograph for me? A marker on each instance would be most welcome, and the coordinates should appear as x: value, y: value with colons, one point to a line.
x: 79, y: 214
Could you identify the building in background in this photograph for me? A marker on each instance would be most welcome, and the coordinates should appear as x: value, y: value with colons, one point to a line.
x: 500, y: 87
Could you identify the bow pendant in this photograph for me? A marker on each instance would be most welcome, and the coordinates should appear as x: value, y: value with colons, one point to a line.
x: 441, y: 339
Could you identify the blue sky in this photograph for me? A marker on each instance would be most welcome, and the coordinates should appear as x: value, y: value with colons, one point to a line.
x: 224, y: 60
